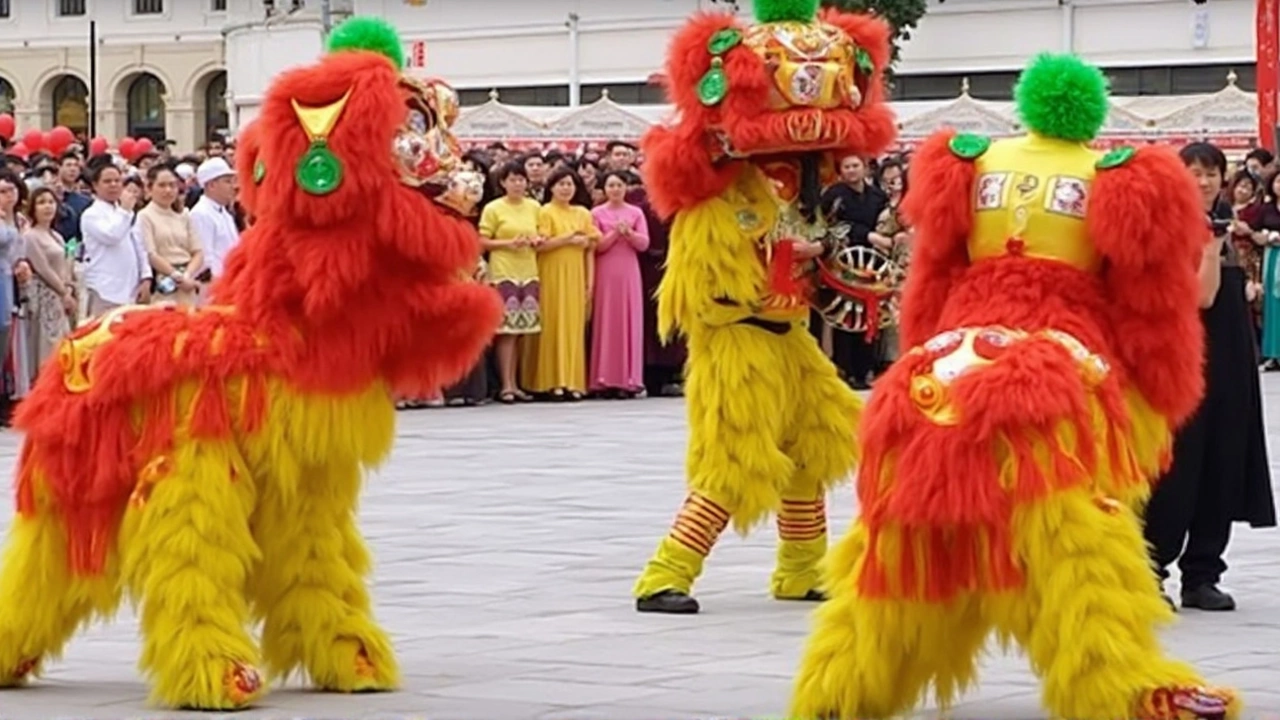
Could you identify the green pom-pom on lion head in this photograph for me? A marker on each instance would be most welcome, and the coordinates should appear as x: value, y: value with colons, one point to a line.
x: 371, y: 34
x: 1062, y: 96
x: 768, y: 11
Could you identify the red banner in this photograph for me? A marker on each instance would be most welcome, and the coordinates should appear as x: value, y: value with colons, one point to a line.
x: 1267, y: 31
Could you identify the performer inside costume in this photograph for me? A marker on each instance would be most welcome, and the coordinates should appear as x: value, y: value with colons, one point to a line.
x: 1006, y: 451
x: 764, y: 109
x: 209, y: 461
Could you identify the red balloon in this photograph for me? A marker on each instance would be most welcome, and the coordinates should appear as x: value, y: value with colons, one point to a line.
x: 59, y: 139
x: 128, y: 148
x: 7, y: 126
x: 143, y: 146
x: 33, y: 139
x: 18, y: 150
x: 98, y: 146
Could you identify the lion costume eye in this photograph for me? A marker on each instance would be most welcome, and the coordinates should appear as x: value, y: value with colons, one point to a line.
x: 425, y: 150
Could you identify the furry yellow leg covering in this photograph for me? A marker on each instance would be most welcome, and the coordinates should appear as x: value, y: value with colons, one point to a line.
x: 311, y: 589
x: 802, y: 541
x: 187, y: 552
x: 41, y: 602
x: 678, y: 560
x: 873, y: 658
x: 1089, y: 614
x: 820, y: 443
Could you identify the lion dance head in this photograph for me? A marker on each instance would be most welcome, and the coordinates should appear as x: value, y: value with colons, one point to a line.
x: 798, y: 88
x: 361, y: 206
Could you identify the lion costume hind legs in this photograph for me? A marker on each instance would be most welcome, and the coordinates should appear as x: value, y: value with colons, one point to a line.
x: 42, y: 603
x: 310, y: 591
x: 187, y: 552
x: 771, y: 428
x: 1085, y: 570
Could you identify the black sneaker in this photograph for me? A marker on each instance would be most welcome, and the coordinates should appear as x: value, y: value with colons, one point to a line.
x: 670, y: 602
x: 1208, y: 597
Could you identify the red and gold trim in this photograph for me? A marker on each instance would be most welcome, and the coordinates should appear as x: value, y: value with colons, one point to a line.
x: 22, y: 673
x: 699, y: 523
x: 802, y: 520
x: 243, y: 683
x: 1187, y: 703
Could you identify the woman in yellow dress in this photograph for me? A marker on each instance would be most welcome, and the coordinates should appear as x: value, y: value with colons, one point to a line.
x: 509, y: 231
x: 555, y: 362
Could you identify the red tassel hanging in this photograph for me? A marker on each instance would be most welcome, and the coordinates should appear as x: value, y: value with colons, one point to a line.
x: 782, y: 265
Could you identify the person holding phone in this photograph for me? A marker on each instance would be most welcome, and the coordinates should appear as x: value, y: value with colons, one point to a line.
x: 117, y: 272
x: 173, y: 248
x: 1220, y: 473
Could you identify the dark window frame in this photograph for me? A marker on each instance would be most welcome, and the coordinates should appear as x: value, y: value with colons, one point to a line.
x: 137, y: 103
x: 72, y: 8
x: 148, y: 8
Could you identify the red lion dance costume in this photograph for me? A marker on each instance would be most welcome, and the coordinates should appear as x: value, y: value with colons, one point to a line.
x: 1051, y: 312
x: 764, y: 112
x: 208, y: 462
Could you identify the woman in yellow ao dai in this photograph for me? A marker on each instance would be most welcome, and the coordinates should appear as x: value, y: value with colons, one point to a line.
x: 555, y: 362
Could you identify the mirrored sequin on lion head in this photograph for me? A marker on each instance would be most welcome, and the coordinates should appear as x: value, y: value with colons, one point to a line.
x: 797, y: 81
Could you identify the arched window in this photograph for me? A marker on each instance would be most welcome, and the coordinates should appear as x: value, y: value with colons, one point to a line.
x: 7, y: 96
x: 215, y: 105
x: 71, y: 104
x: 146, y: 107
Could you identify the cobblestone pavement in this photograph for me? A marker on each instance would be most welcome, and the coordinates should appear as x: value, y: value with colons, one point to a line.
x: 507, y: 539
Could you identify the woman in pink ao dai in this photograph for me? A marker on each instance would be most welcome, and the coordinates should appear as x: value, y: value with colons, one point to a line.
x: 617, y: 338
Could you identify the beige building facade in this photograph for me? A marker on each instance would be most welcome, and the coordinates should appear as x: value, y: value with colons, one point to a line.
x: 161, y: 71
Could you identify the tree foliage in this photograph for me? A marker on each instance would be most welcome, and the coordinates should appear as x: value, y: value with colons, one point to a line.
x: 903, y: 15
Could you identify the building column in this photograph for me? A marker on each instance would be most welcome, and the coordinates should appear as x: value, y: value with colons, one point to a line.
x: 180, y: 125
x: 27, y: 116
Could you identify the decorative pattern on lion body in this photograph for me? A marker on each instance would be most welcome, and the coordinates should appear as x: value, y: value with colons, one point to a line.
x: 208, y: 462
x: 1052, y: 320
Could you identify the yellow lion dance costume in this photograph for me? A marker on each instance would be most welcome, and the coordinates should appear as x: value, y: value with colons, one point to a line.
x: 209, y: 461
x: 1051, y: 308
x: 764, y: 111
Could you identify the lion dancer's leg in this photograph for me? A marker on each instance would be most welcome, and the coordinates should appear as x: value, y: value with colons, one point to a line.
x: 42, y: 602
x: 870, y: 657
x: 735, y: 398
x: 1090, y: 613
x: 187, y: 552
x: 821, y: 443
x: 311, y: 587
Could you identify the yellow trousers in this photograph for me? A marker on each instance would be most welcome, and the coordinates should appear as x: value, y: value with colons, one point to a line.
x: 771, y: 429
x: 211, y: 542
x: 1087, y: 618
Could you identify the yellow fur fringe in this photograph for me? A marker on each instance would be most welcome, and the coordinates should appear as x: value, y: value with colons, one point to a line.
x: 221, y: 533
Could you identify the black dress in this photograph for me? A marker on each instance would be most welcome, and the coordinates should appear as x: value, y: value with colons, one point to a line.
x: 1220, y: 473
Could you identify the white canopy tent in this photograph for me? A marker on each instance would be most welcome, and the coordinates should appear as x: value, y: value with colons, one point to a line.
x: 1227, y: 117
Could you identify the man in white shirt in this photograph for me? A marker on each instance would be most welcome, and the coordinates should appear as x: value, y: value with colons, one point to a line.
x: 117, y: 272
x: 211, y: 216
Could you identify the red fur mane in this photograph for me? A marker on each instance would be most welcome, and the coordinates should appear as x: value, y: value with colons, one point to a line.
x: 375, y: 272
x: 939, y: 206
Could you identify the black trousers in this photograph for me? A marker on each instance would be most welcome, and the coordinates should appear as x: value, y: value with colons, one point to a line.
x: 1188, y: 519
x: 854, y: 355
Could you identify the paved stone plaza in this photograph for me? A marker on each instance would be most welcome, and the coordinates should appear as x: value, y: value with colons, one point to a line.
x: 507, y: 539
